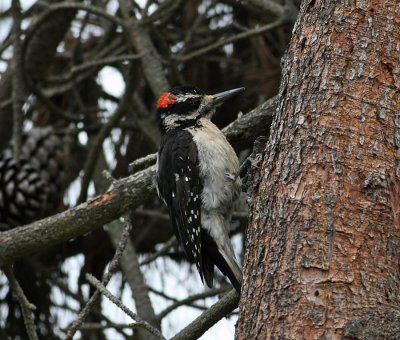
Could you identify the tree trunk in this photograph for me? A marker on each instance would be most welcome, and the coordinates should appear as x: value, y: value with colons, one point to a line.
x: 323, y: 245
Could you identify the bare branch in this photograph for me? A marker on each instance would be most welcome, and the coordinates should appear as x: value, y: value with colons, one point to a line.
x: 100, y: 326
x: 31, y: 74
x: 242, y: 132
x: 164, y: 11
x: 191, y: 299
x: 139, y: 38
x: 112, y: 268
x: 38, y: 51
x: 125, y: 194
x: 209, y: 318
x: 167, y: 246
x: 135, y: 278
x: 139, y: 322
x: 142, y: 163
x: 106, y: 61
x: 18, y: 82
x: 79, y: 6
x: 26, y: 306
x: 223, y: 42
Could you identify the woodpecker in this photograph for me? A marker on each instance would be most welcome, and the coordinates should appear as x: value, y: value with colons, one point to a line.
x: 198, y: 179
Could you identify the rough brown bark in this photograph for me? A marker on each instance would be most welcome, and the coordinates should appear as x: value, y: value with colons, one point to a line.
x: 323, y: 244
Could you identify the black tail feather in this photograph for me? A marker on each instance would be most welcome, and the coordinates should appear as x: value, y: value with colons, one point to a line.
x: 208, y: 269
x: 211, y: 257
x: 226, y: 270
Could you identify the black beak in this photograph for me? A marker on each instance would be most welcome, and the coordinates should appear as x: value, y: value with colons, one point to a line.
x: 222, y: 96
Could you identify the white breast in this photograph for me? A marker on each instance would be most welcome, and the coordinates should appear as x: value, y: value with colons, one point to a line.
x: 219, y: 167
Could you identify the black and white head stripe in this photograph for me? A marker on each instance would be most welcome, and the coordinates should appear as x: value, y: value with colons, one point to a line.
x: 181, y: 187
x: 186, y: 89
x: 178, y: 107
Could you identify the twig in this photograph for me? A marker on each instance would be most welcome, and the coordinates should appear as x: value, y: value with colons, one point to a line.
x: 191, y: 299
x: 105, y: 61
x: 135, y: 278
x: 139, y: 322
x: 112, y: 268
x: 192, y: 29
x: 99, y: 326
x: 222, y: 42
x: 129, y: 260
x: 114, y: 49
x: 26, y: 307
x: 18, y: 82
x: 52, y: 25
x: 164, y: 11
x: 79, y: 6
x: 209, y: 318
x: 96, y: 63
x: 175, y: 300
x: 167, y: 246
x: 50, y: 13
x: 6, y: 43
x: 103, y: 290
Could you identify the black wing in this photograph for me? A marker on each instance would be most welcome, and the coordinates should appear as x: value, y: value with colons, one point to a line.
x: 180, y: 186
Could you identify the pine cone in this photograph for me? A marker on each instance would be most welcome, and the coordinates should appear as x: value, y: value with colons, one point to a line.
x: 33, y: 188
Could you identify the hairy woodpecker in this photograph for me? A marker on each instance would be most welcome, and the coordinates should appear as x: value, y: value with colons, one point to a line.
x: 198, y: 179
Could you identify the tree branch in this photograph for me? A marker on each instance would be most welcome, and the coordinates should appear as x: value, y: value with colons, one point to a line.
x: 167, y: 246
x: 131, y: 269
x: 26, y: 306
x: 190, y: 299
x: 112, y: 268
x: 139, y: 322
x: 209, y: 318
x: 139, y: 37
x: 18, y: 82
x: 223, y: 42
x: 62, y: 6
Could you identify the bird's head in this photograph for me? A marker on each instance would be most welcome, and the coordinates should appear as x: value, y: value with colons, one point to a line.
x: 182, y: 106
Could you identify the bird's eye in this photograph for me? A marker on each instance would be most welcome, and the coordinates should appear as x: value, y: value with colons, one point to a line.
x: 165, y: 100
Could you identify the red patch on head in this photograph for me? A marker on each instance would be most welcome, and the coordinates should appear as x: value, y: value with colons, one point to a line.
x: 165, y: 100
